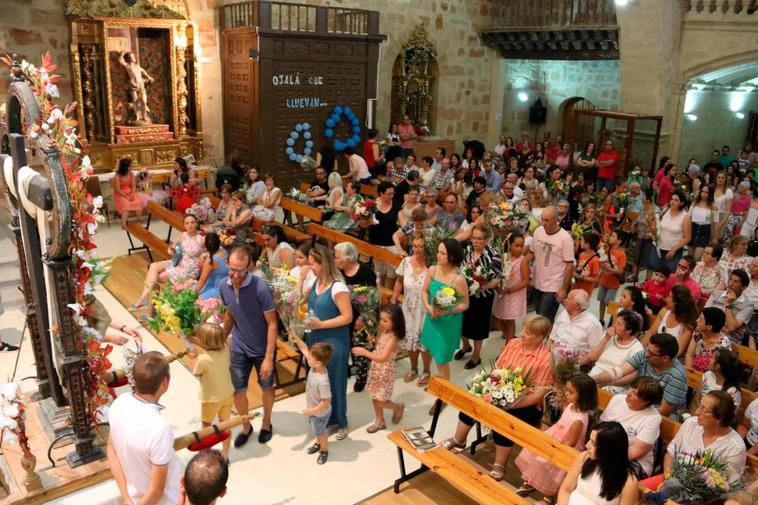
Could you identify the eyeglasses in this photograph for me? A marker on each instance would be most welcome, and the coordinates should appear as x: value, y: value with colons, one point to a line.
x: 237, y: 270
x: 701, y: 408
x: 650, y: 354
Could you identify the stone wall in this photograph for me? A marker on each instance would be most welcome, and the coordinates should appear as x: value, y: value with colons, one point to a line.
x: 716, y: 123
x: 30, y: 28
x: 554, y: 82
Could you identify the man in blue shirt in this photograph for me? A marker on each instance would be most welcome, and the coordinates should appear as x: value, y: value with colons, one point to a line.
x: 659, y: 362
x: 251, y: 321
x: 491, y: 176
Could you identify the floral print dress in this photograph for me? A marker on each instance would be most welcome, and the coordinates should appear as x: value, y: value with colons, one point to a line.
x: 413, y: 307
x: 192, y: 249
x: 381, y: 376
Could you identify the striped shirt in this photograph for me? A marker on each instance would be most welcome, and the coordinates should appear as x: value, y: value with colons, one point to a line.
x: 536, y: 363
x: 673, y: 379
x: 490, y: 261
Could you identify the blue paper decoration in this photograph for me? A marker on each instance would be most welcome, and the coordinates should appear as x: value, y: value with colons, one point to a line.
x: 289, y: 150
x: 333, y: 121
x: 357, y: 130
x: 339, y: 145
x: 292, y: 139
x: 306, y: 126
x: 309, y: 143
x: 338, y: 110
x: 307, y: 151
x: 298, y: 127
x: 330, y: 123
x: 307, y: 135
x: 290, y: 142
x: 299, y: 158
x: 328, y: 133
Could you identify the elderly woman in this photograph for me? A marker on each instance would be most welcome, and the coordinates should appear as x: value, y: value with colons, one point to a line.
x: 710, y: 429
x: 636, y: 412
x: 223, y: 207
x: 267, y: 203
x: 342, y: 219
x: 527, y: 352
x: 736, y: 255
x: 709, y: 273
x: 355, y: 274
x: 482, y: 267
x: 738, y: 210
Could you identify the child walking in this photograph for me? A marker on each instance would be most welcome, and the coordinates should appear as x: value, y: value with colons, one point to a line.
x: 381, y: 374
x: 212, y: 366
x: 571, y: 429
x: 510, y: 300
x: 318, y: 395
x: 587, y: 270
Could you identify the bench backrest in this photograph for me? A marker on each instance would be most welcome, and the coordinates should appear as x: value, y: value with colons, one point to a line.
x: 695, y: 380
x: 363, y: 247
x: 173, y: 219
x: 747, y: 355
x: 504, y: 423
x: 302, y: 209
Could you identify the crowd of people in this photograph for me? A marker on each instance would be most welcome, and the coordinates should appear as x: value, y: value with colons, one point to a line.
x: 580, y: 228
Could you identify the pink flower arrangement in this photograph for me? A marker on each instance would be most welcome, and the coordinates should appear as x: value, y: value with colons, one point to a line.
x: 702, y: 361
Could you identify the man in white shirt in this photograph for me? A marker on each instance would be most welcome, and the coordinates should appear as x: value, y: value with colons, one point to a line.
x: 141, y: 443
x: 635, y: 411
x: 576, y: 328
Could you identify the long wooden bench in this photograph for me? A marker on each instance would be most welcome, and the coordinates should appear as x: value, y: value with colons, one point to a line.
x: 695, y: 380
x: 151, y: 244
x: 171, y: 218
x: 370, y: 250
x: 366, y: 189
x: 290, y: 206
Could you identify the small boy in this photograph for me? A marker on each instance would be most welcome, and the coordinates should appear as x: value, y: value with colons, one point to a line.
x: 657, y: 289
x: 318, y: 395
x: 611, y: 272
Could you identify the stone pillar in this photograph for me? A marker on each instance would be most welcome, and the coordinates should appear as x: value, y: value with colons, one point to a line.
x: 497, y: 95
x: 649, y: 41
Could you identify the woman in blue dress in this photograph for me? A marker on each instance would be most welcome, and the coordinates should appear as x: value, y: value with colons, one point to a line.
x: 213, y: 269
x: 330, y: 314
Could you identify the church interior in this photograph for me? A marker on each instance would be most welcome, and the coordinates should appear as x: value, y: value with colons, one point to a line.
x: 221, y: 84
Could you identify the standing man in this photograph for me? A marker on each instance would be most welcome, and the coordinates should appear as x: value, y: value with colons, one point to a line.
x: 141, y: 443
x: 439, y: 155
x: 251, y: 321
x: 725, y: 158
x: 607, y: 162
x: 553, y: 250
x: 407, y: 135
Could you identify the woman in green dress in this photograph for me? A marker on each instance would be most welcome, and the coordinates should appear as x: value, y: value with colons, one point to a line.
x: 341, y: 220
x: 442, y: 328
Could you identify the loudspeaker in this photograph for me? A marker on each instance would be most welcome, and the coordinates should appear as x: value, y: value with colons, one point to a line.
x: 537, y: 113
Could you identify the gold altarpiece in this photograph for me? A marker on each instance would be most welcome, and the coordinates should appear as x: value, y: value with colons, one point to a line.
x: 162, y: 40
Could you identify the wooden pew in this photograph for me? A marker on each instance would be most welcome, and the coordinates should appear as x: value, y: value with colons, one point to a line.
x: 290, y: 206
x: 171, y: 218
x: 695, y: 380
x: 151, y: 243
x: 363, y: 247
x: 747, y: 355
x: 366, y: 189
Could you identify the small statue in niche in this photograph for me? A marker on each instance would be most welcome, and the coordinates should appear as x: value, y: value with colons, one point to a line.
x: 138, y: 80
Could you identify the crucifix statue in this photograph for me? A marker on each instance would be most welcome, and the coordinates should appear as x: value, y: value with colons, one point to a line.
x: 42, y: 209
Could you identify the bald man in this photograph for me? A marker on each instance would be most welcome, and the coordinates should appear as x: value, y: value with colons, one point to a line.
x: 553, y: 250
x: 575, y: 328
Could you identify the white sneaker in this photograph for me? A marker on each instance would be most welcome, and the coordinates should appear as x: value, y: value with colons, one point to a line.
x: 342, y: 433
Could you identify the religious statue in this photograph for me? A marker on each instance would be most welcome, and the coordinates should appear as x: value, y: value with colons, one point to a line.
x: 138, y: 80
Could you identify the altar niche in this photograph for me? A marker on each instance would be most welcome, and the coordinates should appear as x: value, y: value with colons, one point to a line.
x: 138, y: 85
x: 289, y: 72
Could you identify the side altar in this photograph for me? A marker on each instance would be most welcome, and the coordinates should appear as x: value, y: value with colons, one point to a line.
x: 136, y: 78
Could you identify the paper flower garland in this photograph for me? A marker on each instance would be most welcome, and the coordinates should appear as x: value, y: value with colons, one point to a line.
x: 338, y: 112
x: 304, y: 129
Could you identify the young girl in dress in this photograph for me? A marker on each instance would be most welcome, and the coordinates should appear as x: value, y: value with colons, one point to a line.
x: 571, y: 429
x: 510, y: 300
x: 212, y: 367
x: 381, y: 375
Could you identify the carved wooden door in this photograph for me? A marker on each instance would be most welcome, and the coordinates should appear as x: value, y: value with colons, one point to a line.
x: 585, y: 128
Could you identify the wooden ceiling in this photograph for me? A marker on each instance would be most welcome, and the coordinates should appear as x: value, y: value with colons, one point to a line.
x: 555, y: 44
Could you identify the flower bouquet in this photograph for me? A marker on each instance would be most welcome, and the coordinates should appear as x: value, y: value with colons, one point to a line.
x: 297, y: 195
x: 696, y: 478
x: 211, y: 309
x: 366, y: 298
x: 447, y: 298
x: 500, y: 387
x: 565, y: 363
x: 577, y: 231
x: 227, y: 237
x: 502, y: 216
x: 287, y: 297
x: 702, y: 362
x: 176, y: 311
x: 476, y: 277
x: 363, y: 210
x: 203, y: 211
x: 621, y: 202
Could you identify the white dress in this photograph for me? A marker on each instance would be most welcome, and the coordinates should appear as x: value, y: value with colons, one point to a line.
x: 413, y: 307
x: 720, y: 202
x: 587, y: 492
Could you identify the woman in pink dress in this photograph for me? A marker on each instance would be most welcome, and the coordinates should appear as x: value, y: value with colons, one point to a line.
x: 571, y: 429
x: 510, y: 300
x: 125, y: 195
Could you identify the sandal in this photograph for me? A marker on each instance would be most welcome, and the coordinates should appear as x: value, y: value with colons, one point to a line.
x: 314, y: 448
x: 460, y: 353
x: 524, y: 490
x: 376, y: 427
x: 398, y: 414
x: 410, y: 376
x: 497, y: 472
x: 141, y: 303
x: 452, y: 444
x: 423, y: 381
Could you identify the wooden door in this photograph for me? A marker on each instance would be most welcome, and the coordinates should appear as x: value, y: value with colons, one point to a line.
x: 585, y: 128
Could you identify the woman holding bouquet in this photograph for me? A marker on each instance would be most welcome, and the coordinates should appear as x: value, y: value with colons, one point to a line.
x: 442, y: 324
x: 530, y: 354
x: 482, y: 267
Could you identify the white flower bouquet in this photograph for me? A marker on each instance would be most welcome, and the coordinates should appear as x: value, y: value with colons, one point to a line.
x: 500, y: 387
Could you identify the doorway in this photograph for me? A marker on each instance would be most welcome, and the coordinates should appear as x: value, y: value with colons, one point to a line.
x: 581, y: 131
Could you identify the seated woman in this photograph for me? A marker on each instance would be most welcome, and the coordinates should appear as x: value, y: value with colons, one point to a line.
x: 601, y: 474
x: 342, y: 219
x: 186, y: 194
x: 529, y: 353
x: 99, y: 319
x: 618, y: 344
x: 125, y: 196
x: 238, y: 218
x: 302, y: 271
x: 213, y: 269
x: 711, y: 429
x: 736, y: 255
x: 267, y: 204
x: 279, y: 254
x: 188, y: 249
x: 335, y: 194
x: 679, y: 318
x: 180, y: 167
x: 709, y: 273
x: 706, y: 339
x: 224, y: 206
x: 636, y: 412
x: 571, y: 430
x: 253, y: 186
x: 632, y: 299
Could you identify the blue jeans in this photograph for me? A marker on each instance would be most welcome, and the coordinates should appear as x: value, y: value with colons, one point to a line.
x: 241, y: 367
x: 545, y: 303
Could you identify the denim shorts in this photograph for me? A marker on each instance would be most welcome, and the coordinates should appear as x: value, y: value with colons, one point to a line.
x: 606, y: 295
x: 318, y: 423
x: 241, y: 367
